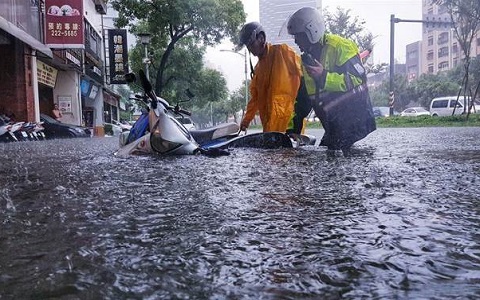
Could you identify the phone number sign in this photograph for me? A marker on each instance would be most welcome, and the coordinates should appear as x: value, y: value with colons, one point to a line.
x: 64, y: 24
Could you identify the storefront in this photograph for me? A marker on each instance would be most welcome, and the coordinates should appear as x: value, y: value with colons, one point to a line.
x: 91, y: 104
x: 19, y: 52
x: 110, y: 106
x: 93, y: 81
x: 47, y: 78
x: 66, y: 93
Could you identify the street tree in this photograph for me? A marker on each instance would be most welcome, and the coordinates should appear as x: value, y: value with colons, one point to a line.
x: 380, y: 95
x: 429, y: 86
x: 124, y: 91
x: 212, y: 86
x: 419, y: 92
x: 341, y: 22
x: 465, y: 17
x: 206, y: 22
x: 237, y: 101
x: 211, y: 91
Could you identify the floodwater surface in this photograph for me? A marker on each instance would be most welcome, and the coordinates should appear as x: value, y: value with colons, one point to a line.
x: 398, y: 219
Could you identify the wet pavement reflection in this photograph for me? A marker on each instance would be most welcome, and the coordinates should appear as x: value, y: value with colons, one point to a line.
x: 399, y: 218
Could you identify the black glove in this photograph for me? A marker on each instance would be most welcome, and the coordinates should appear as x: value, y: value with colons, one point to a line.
x: 214, y: 152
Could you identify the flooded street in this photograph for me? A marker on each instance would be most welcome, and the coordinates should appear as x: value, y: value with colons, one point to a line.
x: 399, y: 219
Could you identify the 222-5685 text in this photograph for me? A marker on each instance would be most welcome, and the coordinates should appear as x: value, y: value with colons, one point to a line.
x: 63, y: 33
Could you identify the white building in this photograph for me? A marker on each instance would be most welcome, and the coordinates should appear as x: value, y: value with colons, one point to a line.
x: 440, y: 49
x: 274, y: 16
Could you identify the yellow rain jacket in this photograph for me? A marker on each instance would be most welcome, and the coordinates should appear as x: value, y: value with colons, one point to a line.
x: 274, y: 88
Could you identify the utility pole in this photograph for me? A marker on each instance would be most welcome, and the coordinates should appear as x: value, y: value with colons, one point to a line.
x: 434, y: 23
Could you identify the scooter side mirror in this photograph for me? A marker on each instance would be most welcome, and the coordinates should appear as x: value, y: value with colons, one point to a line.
x: 189, y: 93
x: 130, y: 77
x: 147, y: 86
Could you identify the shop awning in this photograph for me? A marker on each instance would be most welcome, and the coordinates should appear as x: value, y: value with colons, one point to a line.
x: 24, y: 37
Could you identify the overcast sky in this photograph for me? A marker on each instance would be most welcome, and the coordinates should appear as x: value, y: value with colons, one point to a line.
x: 376, y: 14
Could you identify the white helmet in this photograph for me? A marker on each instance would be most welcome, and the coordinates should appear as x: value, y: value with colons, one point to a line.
x: 308, y: 20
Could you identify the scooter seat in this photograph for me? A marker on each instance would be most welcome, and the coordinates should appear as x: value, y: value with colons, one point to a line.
x: 202, y: 136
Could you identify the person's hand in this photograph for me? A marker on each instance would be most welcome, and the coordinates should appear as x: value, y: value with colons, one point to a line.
x: 243, y: 127
x: 315, y: 71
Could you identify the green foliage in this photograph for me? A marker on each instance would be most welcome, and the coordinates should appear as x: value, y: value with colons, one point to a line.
x: 379, y: 95
x: 419, y: 92
x: 429, y: 86
x: 211, y: 94
x: 465, y: 15
x: 108, y: 129
x: 184, y: 70
x: 212, y: 86
x: 238, y: 97
x: 403, y: 96
x: 457, y: 74
x: 342, y: 23
x: 205, y: 22
x: 475, y: 70
x: 427, y: 121
x: 180, y: 31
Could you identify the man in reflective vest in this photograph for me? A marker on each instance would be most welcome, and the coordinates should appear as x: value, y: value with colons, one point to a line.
x: 335, y: 83
x: 275, y: 82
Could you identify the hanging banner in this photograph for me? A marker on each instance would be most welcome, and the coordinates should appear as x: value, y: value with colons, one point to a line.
x: 46, y: 74
x: 118, y: 55
x: 64, y: 24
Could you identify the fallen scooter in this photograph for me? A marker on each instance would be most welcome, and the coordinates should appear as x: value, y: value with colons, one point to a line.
x: 159, y: 132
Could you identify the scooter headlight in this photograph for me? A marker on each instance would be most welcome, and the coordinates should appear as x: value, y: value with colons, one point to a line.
x: 162, y: 145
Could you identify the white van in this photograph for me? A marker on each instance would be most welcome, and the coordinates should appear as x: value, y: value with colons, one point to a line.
x: 444, y: 106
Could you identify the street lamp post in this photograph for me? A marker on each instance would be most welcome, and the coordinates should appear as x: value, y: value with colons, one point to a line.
x: 145, y: 40
x: 246, y: 72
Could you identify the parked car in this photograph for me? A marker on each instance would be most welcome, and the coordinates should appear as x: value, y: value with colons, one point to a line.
x: 55, y: 129
x: 445, y: 106
x: 381, y: 111
x: 125, y: 126
x: 112, y: 129
x: 415, y: 112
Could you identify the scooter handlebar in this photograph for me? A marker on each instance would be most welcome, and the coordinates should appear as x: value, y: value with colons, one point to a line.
x: 185, y: 112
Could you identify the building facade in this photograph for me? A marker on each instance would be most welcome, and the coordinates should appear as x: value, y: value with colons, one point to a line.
x: 413, y: 60
x: 441, y: 50
x: 274, y: 16
x: 36, y: 75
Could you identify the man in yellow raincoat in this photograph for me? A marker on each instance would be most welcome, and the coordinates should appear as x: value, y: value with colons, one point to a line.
x: 275, y: 82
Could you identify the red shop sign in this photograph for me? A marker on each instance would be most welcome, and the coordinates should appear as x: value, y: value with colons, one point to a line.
x: 64, y: 24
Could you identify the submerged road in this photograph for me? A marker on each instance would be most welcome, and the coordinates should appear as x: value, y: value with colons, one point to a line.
x: 399, y: 219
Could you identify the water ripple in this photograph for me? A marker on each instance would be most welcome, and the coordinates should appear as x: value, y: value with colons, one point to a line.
x: 395, y: 220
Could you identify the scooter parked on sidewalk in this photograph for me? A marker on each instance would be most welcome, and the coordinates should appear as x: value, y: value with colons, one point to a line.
x: 11, y: 131
x: 5, y: 134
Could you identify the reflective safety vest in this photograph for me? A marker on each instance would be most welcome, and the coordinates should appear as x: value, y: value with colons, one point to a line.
x: 342, y: 63
x: 344, y: 74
